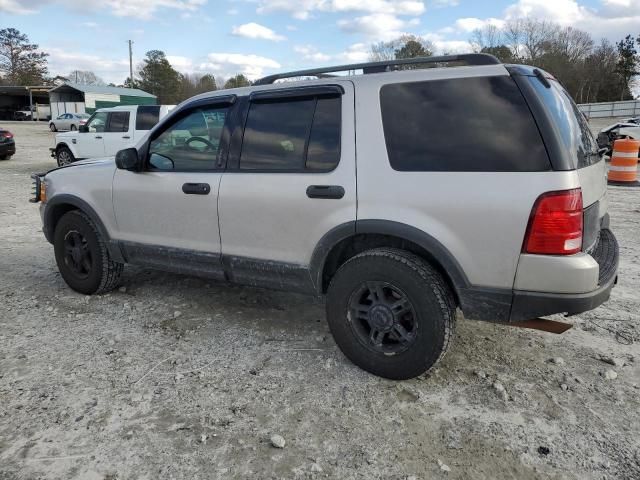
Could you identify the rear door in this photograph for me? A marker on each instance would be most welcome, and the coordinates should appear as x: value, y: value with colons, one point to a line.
x: 291, y: 178
x: 118, y: 133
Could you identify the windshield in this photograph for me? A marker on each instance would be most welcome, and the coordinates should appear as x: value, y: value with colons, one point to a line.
x: 570, y: 122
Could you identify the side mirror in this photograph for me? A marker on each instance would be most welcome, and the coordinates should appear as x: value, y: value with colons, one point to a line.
x: 127, y: 159
x: 83, y: 129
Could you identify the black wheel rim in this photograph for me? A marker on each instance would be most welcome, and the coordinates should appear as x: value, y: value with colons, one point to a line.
x: 383, y: 318
x: 77, y: 256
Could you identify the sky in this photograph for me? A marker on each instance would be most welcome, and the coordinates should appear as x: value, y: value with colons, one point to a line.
x: 258, y: 37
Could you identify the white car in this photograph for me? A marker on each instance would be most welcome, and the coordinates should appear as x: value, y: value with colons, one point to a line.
x: 68, y: 121
x: 107, y: 131
x: 628, y: 128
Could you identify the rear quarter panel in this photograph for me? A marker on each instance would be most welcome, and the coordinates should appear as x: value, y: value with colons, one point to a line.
x: 479, y: 217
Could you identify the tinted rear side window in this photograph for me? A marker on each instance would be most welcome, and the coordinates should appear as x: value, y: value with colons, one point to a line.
x: 466, y: 124
x: 147, y: 117
x: 292, y: 135
x: 574, y: 130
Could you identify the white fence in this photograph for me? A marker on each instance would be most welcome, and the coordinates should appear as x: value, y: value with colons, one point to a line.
x: 58, y: 108
x: 629, y: 108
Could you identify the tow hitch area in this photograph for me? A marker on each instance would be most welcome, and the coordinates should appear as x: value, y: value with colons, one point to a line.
x: 550, y: 326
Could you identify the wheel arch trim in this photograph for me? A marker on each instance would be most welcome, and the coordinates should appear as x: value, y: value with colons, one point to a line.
x: 50, y: 219
x: 391, y: 228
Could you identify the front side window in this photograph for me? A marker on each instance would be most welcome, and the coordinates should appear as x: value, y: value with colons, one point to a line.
x: 191, y: 143
x: 97, y: 123
x: 465, y: 124
x: 292, y: 135
x: 118, y: 122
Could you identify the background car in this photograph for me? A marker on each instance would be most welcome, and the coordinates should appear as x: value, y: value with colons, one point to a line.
x: 7, y: 144
x: 68, y: 121
x: 628, y: 128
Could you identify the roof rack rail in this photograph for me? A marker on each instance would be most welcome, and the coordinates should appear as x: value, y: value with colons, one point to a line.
x: 384, y: 66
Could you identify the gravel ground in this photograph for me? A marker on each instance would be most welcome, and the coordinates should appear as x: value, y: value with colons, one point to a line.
x: 173, y: 377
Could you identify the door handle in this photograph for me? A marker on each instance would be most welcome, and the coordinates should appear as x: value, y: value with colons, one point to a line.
x: 196, y: 188
x: 325, y: 191
x: 126, y: 136
x: 97, y: 137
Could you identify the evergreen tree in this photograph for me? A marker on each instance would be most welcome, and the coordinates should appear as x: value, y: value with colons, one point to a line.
x: 20, y: 61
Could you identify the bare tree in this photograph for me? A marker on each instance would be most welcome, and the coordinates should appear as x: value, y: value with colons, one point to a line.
x: 85, y: 77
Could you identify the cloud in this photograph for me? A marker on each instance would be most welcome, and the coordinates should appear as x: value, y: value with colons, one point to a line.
x: 255, y: 30
x: 143, y: 9
x: 303, y: 9
x: 469, y: 24
x: 309, y: 52
x: 377, y: 26
x: 227, y: 64
x: 20, y: 7
x: 62, y: 61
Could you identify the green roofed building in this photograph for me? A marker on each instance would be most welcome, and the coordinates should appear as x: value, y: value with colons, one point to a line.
x: 75, y: 98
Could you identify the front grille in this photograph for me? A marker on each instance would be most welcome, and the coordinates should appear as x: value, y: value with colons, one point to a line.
x: 606, y: 254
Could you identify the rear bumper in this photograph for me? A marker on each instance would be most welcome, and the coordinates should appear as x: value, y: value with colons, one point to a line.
x: 517, y: 305
x: 7, y: 148
x: 528, y: 305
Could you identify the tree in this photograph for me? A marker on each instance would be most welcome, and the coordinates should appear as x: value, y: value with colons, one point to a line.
x: 85, y: 77
x: 206, y: 83
x: 20, y: 61
x: 627, y: 66
x: 158, y: 77
x: 405, y: 46
x: 411, y: 49
x: 237, y: 81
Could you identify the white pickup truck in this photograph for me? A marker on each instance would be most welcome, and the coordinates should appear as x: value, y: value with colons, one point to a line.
x: 107, y: 131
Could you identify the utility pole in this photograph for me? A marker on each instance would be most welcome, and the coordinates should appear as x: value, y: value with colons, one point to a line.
x: 130, y: 63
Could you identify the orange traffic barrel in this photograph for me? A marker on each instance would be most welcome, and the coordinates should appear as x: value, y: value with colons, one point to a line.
x: 624, y: 162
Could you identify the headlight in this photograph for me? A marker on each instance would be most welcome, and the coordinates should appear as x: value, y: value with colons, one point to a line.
x: 39, y: 193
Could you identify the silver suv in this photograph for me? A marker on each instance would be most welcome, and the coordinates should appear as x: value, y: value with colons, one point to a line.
x: 401, y: 194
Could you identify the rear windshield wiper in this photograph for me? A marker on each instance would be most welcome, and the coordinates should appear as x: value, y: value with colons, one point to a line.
x: 540, y: 76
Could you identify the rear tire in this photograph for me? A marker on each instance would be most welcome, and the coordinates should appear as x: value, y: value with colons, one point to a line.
x: 82, y: 255
x: 5, y: 157
x: 64, y: 156
x: 391, y: 313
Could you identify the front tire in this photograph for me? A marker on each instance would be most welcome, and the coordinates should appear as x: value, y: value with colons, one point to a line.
x: 64, y: 156
x: 52, y: 127
x: 73, y: 128
x: 391, y: 313
x: 82, y: 255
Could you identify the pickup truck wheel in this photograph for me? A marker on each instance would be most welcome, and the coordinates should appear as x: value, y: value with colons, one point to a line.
x: 53, y: 128
x: 391, y: 313
x: 64, y: 156
x: 5, y: 157
x: 82, y: 255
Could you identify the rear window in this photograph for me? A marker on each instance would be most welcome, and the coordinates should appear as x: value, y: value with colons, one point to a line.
x: 574, y: 130
x: 465, y: 124
x: 147, y: 117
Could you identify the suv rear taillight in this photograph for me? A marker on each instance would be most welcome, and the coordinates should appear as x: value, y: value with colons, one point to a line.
x: 555, y: 225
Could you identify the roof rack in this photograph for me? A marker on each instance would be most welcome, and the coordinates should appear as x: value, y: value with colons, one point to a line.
x: 384, y: 66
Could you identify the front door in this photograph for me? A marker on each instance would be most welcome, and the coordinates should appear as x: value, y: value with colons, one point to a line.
x: 290, y: 180
x: 167, y: 215
x: 118, y: 134
x: 90, y: 144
